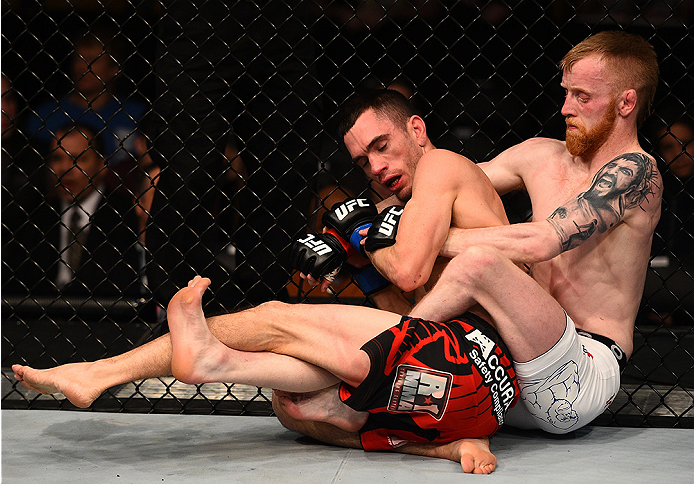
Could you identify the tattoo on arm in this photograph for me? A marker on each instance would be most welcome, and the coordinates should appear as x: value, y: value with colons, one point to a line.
x: 624, y: 183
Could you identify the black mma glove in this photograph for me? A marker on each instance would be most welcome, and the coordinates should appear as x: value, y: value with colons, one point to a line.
x: 347, y: 218
x: 384, y: 228
x: 318, y: 255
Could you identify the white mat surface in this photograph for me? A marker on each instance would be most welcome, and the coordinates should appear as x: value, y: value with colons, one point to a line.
x: 88, y: 447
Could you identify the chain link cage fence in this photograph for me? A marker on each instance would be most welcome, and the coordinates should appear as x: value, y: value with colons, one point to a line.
x: 228, y: 111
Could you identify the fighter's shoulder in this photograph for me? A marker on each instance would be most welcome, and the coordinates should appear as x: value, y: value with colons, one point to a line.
x: 646, y: 178
x: 524, y: 158
x: 648, y: 167
x: 539, y: 146
x: 445, y: 169
x: 639, y: 157
x: 445, y: 161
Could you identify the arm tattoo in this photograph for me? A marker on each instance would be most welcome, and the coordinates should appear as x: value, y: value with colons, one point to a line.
x: 622, y: 184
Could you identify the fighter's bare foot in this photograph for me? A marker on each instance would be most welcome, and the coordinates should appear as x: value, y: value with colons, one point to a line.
x: 473, y: 454
x: 197, y: 354
x: 72, y: 380
x: 322, y: 406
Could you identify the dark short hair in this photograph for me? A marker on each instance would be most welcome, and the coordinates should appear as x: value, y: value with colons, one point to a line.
x: 388, y: 103
x: 105, y: 36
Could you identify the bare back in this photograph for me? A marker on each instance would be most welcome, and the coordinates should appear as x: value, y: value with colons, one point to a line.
x: 599, y: 281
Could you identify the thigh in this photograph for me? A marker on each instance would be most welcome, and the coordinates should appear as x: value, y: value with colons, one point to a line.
x: 528, y: 318
x: 327, y: 335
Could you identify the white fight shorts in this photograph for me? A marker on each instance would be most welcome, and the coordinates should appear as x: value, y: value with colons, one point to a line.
x: 567, y: 387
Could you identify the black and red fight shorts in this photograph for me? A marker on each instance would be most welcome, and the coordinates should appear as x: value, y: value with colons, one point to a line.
x: 433, y: 382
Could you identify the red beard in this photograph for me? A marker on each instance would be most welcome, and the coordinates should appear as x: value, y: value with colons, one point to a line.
x: 586, y: 143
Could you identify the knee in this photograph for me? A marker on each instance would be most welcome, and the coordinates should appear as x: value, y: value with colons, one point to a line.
x: 470, y: 267
x: 271, y: 320
x: 269, y: 312
x: 271, y: 307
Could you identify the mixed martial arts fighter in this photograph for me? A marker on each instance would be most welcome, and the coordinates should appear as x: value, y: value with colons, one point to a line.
x: 478, y: 205
x: 596, y: 201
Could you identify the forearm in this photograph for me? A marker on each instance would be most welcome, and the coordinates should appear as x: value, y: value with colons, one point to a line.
x: 408, y: 269
x: 521, y: 243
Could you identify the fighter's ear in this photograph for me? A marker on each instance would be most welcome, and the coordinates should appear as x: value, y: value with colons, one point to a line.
x: 627, y: 102
x: 419, y: 128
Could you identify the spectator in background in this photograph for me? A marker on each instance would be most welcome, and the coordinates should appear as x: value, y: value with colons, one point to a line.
x: 23, y: 176
x: 10, y: 109
x: 675, y: 144
x: 242, y: 71
x: 144, y: 194
x: 94, y: 68
x: 670, y: 284
x: 82, y: 240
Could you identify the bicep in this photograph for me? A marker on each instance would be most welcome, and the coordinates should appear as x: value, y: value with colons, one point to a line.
x: 502, y: 175
x: 427, y: 216
x: 424, y: 224
x: 627, y: 185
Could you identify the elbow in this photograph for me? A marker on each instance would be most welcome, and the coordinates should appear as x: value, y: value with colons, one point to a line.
x: 409, y: 279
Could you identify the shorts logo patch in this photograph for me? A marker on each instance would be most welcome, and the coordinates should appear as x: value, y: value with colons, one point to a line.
x: 396, y: 442
x: 420, y: 390
x: 485, y: 344
x: 551, y: 399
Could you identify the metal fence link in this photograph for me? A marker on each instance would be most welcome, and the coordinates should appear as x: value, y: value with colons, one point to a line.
x: 207, y: 141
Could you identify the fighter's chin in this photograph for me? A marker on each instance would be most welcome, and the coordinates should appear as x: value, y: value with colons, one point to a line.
x: 403, y: 195
x: 575, y: 146
x: 573, y: 150
x: 582, y: 151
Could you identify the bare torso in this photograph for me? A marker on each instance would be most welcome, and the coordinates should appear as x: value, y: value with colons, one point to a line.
x: 599, y: 283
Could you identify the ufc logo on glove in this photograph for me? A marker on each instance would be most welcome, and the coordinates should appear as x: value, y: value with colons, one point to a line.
x: 390, y: 221
x: 343, y: 210
x: 318, y: 246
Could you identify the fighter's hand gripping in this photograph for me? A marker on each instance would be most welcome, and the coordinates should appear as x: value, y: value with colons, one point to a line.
x: 318, y: 255
x: 346, y: 219
x: 384, y: 229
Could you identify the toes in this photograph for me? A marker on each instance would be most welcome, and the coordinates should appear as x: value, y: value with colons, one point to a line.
x: 194, y: 281
x: 484, y: 469
x: 468, y: 463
